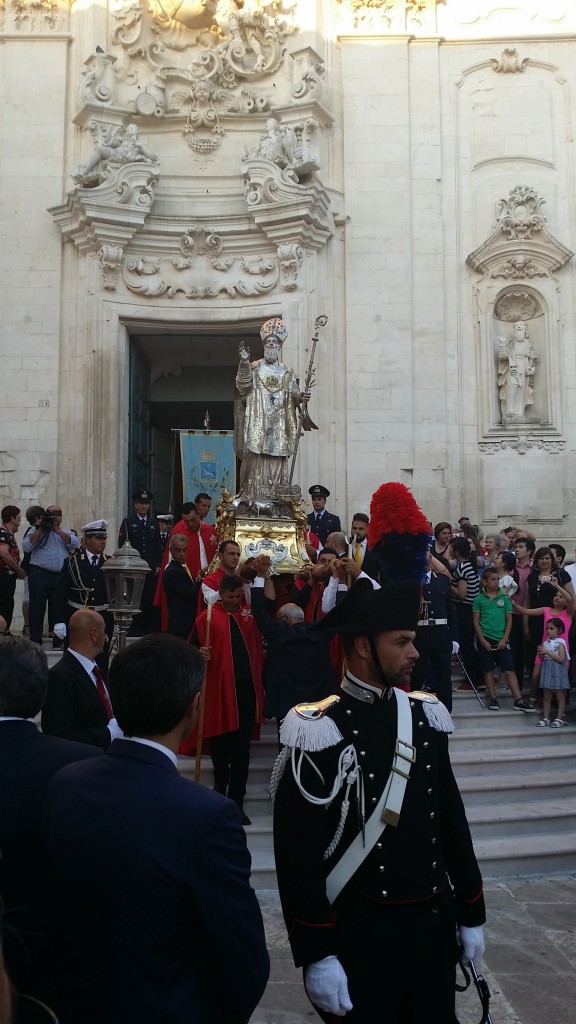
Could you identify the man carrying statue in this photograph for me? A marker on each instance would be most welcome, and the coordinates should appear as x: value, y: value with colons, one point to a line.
x: 266, y: 407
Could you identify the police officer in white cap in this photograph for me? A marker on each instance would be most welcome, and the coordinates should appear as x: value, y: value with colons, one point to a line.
x: 84, y: 583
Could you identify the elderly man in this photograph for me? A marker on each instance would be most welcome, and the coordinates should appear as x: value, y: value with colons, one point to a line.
x: 373, y: 853
x: 154, y: 915
x: 28, y: 760
x: 48, y: 545
x: 265, y: 415
x: 77, y: 704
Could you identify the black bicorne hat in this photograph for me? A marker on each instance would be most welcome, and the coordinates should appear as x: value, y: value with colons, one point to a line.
x: 364, y: 610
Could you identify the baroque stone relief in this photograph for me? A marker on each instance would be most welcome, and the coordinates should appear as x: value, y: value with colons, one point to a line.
x: 374, y: 16
x: 115, y: 145
x: 34, y: 16
x: 522, y: 445
x: 203, y: 269
x: 509, y: 62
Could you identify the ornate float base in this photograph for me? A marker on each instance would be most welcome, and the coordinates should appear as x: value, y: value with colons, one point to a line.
x: 273, y: 526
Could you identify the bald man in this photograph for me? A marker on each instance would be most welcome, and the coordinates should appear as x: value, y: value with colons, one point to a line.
x: 77, y: 705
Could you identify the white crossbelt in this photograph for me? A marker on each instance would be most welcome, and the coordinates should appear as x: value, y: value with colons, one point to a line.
x: 432, y: 622
x: 387, y: 810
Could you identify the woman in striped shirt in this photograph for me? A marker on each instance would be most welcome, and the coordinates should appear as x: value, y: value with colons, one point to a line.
x: 465, y: 587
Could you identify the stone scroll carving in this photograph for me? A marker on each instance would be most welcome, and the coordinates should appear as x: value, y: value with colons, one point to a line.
x: 391, y: 15
x: 202, y: 269
x: 34, y: 16
x: 520, y: 244
x: 509, y: 63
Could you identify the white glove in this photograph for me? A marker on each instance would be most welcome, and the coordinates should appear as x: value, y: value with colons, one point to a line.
x: 327, y: 986
x: 60, y: 630
x: 455, y: 647
x: 114, y: 729
x: 472, y: 942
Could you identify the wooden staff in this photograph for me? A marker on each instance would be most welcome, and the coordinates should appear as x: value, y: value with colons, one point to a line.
x: 202, y: 701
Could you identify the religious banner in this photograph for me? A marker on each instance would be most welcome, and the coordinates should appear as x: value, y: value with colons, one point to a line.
x: 208, y: 464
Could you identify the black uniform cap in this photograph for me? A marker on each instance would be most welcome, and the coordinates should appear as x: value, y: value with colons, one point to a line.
x: 364, y: 610
x: 142, y: 496
x: 318, y: 491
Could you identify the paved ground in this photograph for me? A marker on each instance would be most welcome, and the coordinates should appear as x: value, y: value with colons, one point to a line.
x: 530, y: 961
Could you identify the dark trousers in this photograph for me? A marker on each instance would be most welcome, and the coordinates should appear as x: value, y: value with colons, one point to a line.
x: 400, y: 965
x: 149, y: 619
x: 436, y: 664
x: 45, y: 587
x: 230, y: 752
x: 518, y: 647
x: 7, y: 588
x: 468, y: 652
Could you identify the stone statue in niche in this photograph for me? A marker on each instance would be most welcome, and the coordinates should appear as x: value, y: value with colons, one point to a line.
x: 119, y: 146
x: 516, y: 368
x: 278, y: 144
x: 265, y: 416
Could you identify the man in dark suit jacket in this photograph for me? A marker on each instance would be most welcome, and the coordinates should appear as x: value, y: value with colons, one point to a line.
x: 297, y: 666
x: 156, y: 919
x: 320, y: 521
x: 180, y: 588
x: 28, y: 760
x: 360, y: 551
x: 143, y: 534
x: 77, y: 705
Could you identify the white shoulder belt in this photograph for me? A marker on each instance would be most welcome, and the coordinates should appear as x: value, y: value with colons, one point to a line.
x: 387, y: 810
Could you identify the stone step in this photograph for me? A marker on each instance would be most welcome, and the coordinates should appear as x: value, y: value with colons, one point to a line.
x: 531, y: 854
x: 536, y: 759
x: 260, y: 769
x: 526, y: 786
x: 510, y: 738
x: 487, y: 821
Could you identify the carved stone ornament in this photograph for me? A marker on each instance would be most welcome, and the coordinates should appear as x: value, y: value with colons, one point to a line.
x: 202, y: 270
x: 520, y: 244
x: 285, y: 210
x: 110, y: 213
x: 115, y: 147
x: 110, y: 259
x: 291, y: 257
x: 522, y: 445
x: 34, y: 16
x: 372, y: 16
x: 509, y: 62
x: 516, y: 305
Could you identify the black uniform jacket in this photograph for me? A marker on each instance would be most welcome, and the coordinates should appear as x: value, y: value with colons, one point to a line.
x: 73, y: 708
x: 328, y: 524
x: 438, y: 604
x: 413, y: 864
x: 144, y: 536
x: 182, y: 597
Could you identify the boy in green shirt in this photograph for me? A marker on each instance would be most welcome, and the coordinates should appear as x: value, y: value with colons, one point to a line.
x: 492, y: 617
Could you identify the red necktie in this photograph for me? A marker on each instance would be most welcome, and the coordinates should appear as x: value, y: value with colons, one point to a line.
x: 103, y: 692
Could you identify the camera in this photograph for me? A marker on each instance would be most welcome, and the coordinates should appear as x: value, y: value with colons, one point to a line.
x: 47, y: 520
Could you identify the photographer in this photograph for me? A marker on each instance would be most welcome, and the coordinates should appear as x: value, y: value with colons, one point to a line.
x: 48, y: 546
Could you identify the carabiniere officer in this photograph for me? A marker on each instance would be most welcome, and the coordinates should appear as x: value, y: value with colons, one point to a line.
x: 376, y: 869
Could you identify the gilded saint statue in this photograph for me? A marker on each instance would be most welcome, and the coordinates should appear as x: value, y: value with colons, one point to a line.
x: 516, y: 367
x: 266, y: 408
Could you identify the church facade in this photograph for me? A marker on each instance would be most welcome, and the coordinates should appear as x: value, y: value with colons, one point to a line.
x: 172, y: 174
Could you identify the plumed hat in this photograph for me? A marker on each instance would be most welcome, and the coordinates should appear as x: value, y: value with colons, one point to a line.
x: 274, y: 328
x: 365, y: 610
x: 398, y: 533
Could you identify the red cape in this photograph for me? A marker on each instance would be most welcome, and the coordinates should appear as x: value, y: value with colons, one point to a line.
x: 209, y: 539
x: 220, y: 708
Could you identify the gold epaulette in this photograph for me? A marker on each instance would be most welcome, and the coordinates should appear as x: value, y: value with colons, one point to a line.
x: 308, y: 727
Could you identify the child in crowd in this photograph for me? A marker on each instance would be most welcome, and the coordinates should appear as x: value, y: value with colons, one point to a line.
x: 505, y: 563
x: 492, y: 616
x: 563, y: 609
x: 554, y: 678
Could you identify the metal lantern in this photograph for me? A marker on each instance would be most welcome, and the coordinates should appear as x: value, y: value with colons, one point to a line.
x: 125, y: 573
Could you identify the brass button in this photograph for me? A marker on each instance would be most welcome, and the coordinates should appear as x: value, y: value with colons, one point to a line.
x: 428, y: 767
x: 412, y: 704
x: 371, y: 775
x: 429, y: 792
x: 378, y: 846
x: 380, y: 867
x: 433, y: 840
x: 426, y: 745
x: 435, y: 888
x: 348, y: 712
x: 354, y: 732
x: 434, y: 863
x: 420, y: 725
x: 384, y: 893
x: 374, y: 800
x: 362, y: 753
x: 432, y: 815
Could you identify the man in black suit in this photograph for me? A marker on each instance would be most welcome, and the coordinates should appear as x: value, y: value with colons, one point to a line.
x: 180, y: 588
x: 143, y: 534
x: 297, y: 666
x: 28, y: 760
x: 77, y: 704
x: 156, y: 919
x: 436, y: 638
x: 360, y: 551
x: 320, y: 521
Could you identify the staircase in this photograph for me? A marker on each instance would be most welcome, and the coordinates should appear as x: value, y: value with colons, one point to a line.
x: 518, y: 783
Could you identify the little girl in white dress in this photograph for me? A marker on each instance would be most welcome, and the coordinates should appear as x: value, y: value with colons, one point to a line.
x: 554, y: 677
